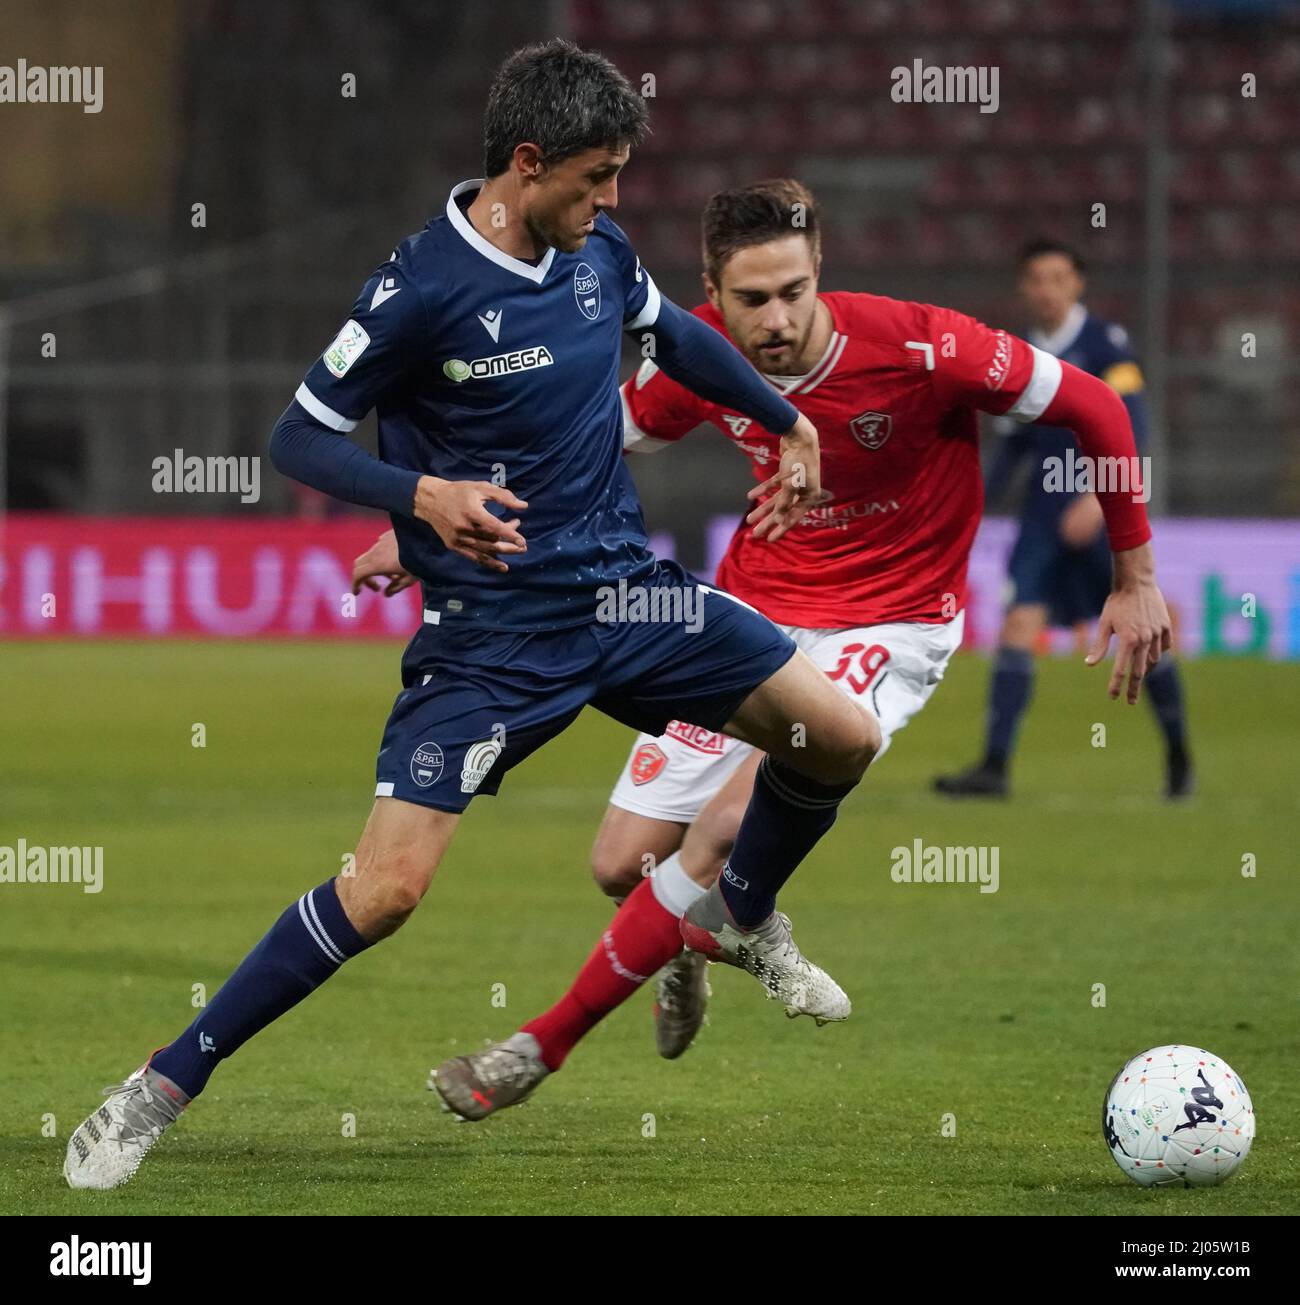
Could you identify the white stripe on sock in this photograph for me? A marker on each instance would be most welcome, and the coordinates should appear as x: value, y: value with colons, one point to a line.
x: 673, y: 888
x: 318, y: 935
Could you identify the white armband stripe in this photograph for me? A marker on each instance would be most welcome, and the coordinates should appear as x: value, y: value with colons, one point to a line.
x: 325, y: 415
x: 1041, y: 390
x: 649, y: 315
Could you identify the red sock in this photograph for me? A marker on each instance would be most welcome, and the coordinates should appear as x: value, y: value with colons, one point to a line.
x: 641, y: 939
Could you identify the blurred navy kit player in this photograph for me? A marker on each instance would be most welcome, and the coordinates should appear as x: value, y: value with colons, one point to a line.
x: 489, y: 344
x: 1059, y: 572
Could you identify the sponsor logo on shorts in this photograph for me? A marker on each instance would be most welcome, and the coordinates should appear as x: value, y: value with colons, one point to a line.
x: 871, y: 429
x: 426, y: 764
x: 647, y: 763
x: 697, y: 737
x: 478, y: 761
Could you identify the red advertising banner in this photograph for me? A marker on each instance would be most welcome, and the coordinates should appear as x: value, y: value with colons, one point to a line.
x: 201, y: 577
x: 1235, y: 585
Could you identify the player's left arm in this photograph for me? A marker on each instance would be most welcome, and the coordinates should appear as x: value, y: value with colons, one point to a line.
x: 1000, y: 373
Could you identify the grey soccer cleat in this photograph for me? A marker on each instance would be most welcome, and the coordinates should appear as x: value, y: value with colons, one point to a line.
x: 106, y: 1148
x: 681, y: 998
x: 475, y: 1086
x: 768, y: 953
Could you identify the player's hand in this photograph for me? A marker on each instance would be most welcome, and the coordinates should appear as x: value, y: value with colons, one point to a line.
x: 1136, y: 615
x: 454, y: 508
x: 797, y: 486
x: 380, y: 561
x: 1081, y: 521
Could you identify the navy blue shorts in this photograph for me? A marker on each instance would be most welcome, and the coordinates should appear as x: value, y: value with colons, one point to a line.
x: 477, y: 702
x: 1072, y: 583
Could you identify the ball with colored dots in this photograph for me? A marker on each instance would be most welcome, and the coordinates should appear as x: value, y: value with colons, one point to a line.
x: 1178, y: 1115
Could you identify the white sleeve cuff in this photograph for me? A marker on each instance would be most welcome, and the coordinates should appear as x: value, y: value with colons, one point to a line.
x: 323, y: 414
x: 1041, y: 390
x: 649, y: 315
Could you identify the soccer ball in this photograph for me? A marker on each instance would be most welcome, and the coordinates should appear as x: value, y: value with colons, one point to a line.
x: 1178, y: 1115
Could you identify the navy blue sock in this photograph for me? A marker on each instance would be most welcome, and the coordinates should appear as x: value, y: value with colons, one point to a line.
x: 304, y: 947
x: 1013, y: 686
x: 787, y: 814
x: 1165, y: 687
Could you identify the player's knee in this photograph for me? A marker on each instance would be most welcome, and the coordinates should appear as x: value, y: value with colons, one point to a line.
x: 392, y: 890
x: 856, y: 743
x: 393, y: 902
x: 616, y: 871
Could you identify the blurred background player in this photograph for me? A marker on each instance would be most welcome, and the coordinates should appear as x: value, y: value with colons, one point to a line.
x: 1060, y: 568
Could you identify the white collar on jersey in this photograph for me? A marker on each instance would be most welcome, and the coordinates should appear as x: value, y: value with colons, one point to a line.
x: 464, y: 228
x: 810, y: 380
x: 1065, y: 335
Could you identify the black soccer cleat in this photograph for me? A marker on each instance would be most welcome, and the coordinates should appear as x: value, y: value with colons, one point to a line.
x: 979, y: 781
x: 1180, y: 781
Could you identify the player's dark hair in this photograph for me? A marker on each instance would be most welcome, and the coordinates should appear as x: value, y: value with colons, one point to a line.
x: 1044, y: 245
x: 563, y: 100
x: 753, y: 215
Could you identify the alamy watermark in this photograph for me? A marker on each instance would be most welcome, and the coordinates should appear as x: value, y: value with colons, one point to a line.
x: 1077, y: 473
x: 89, y: 1259
x: 192, y: 474
x: 920, y: 864
x: 661, y: 605
x: 32, y: 84
x: 947, y: 84
x: 25, y: 864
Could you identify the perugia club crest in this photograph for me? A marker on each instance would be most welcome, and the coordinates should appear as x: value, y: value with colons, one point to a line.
x: 648, y: 761
x: 871, y: 429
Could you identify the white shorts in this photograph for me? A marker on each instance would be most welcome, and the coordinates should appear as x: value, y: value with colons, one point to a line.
x: 891, y: 669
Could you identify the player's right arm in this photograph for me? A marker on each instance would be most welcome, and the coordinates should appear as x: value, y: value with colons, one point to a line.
x: 369, y: 360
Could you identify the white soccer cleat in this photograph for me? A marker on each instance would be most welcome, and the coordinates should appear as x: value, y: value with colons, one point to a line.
x: 769, y: 953
x: 106, y: 1148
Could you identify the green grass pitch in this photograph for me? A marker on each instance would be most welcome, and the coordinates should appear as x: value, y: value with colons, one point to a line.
x: 976, y: 1006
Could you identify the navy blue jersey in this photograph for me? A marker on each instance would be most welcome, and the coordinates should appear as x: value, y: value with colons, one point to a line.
x: 1095, y: 346
x: 486, y: 367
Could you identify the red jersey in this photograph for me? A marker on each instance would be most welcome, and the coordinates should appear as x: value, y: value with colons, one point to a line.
x: 894, y: 400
